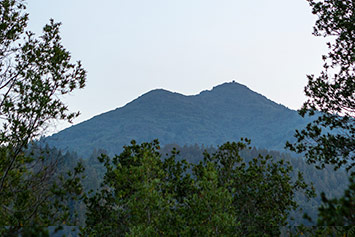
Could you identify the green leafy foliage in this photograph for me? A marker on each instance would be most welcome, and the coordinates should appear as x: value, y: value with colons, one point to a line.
x: 333, y: 91
x: 143, y: 193
x: 34, y: 75
x: 333, y: 94
x: 332, y: 183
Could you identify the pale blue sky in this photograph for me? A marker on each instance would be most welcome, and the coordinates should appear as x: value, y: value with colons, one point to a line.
x: 132, y: 46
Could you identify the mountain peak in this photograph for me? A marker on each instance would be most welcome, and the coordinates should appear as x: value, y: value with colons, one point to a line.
x: 227, y: 112
x: 229, y: 88
x: 232, y: 84
x: 158, y: 91
x: 157, y: 96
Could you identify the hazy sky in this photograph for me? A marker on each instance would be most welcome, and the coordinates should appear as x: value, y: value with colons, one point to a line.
x: 130, y: 47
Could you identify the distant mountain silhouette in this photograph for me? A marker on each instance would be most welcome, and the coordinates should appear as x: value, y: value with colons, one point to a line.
x: 225, y: 113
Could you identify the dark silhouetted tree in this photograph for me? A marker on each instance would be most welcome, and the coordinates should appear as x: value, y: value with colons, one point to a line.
x: 330, y: 138
x: 35, y: 72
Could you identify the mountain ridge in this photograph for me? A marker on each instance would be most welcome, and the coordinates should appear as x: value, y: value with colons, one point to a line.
x: 226, y: 112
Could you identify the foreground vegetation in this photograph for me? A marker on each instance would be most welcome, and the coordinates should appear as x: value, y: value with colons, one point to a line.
x: 145, y: 195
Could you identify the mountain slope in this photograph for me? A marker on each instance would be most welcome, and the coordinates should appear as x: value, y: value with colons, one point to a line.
x: 227, y: 112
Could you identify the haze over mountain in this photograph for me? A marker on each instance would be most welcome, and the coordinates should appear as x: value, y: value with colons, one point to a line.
x: 225, y: 113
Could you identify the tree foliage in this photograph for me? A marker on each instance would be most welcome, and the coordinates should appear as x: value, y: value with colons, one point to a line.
x: 35, y: 72
x: 143, y: 194
x: 339, y: 212
x: 332, y: 92
x: 330, y: 139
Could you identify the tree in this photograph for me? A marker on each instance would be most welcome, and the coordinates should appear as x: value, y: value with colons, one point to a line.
x: 263, y: 190
x: 34, y: 74
x: 333, y: 92
x: 137, y: 194
x: 339, y: 212
x: 143, y: 194
x: 330, y: 138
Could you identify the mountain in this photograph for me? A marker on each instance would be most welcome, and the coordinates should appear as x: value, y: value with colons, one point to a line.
x: 225, y: 113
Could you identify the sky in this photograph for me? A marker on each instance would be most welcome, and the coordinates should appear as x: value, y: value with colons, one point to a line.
x: 130, y: 47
